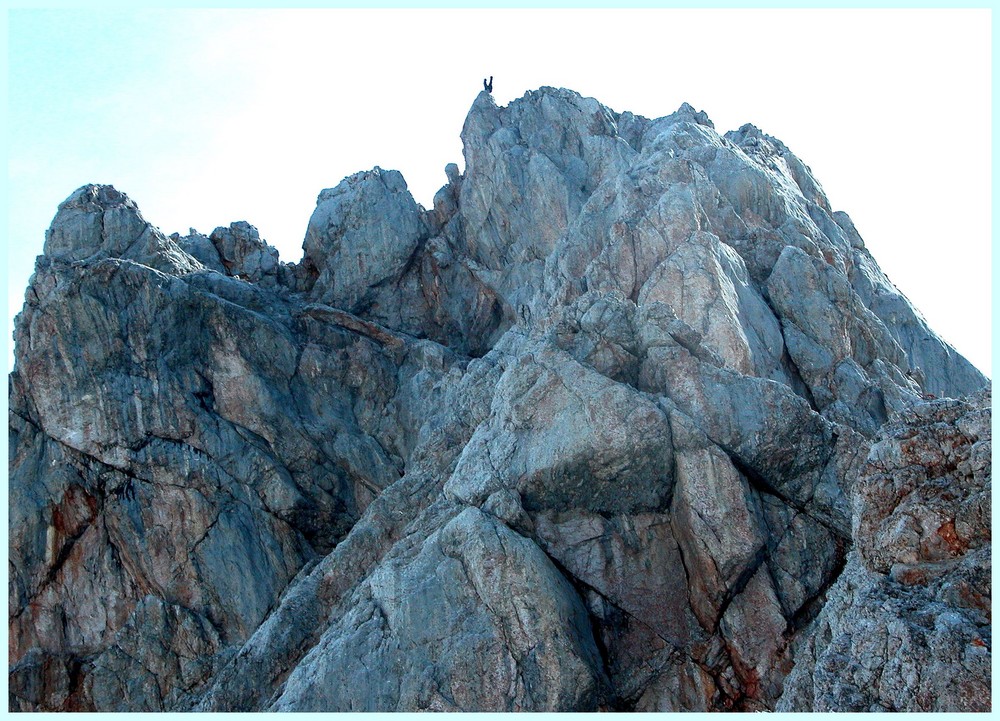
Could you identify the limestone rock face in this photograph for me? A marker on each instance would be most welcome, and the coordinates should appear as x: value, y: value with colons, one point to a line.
x: 98, y: 221
x: 601, y: 430
x: 362, y: 235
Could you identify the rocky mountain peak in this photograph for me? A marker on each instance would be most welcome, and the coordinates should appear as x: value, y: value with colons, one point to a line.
x: 98, y: 221
x: 629, y: 420
x: 687, y: 111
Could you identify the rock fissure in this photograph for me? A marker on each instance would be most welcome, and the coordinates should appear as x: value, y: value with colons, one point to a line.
x: 761, y: 485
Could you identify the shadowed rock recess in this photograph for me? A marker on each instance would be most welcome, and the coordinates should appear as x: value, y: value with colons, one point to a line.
x: 629, y: 420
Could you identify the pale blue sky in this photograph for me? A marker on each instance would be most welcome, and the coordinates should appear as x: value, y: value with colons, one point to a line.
x: 208, y: 117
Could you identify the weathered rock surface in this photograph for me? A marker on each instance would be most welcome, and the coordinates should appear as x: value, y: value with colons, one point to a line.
x: 589, y: 434
x: 907, y: 626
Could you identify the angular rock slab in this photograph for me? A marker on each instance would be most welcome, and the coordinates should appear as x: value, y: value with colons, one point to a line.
x: 477, y: 620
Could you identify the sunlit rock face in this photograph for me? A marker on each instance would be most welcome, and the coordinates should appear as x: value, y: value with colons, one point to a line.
x: 629, y: 420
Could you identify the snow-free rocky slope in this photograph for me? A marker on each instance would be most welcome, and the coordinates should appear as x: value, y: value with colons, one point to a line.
x: 604, y: 429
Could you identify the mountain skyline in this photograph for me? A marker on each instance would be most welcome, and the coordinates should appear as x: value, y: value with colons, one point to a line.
x: 210, y: 117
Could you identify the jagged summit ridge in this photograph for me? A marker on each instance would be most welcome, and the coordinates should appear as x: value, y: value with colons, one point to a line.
x: 584, y: 435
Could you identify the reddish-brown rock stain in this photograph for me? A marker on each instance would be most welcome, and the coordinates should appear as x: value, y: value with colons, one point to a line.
x: 955, y: 544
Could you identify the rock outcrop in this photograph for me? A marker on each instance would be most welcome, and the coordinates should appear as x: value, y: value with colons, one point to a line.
x: 907, y: 626
x: 603, y: 429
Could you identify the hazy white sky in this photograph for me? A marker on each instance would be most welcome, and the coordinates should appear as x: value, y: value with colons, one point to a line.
x: 208, y: 117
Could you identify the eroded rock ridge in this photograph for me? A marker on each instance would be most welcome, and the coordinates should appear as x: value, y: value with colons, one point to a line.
x: 605, y: 428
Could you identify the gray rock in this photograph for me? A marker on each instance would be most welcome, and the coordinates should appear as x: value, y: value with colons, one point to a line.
x: 362, y: 235
x: 201, y: 248
x: 907, y: 625
x: 718, y: 527
x: 243, y: 254
x: 936, y: 367
x: 477, y: 620
x: 564, y: 436
x: 369, y: 249
x: 844, y: 353
x: 598, y: 431
x: 98, y: 221
x: 529, y: 168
